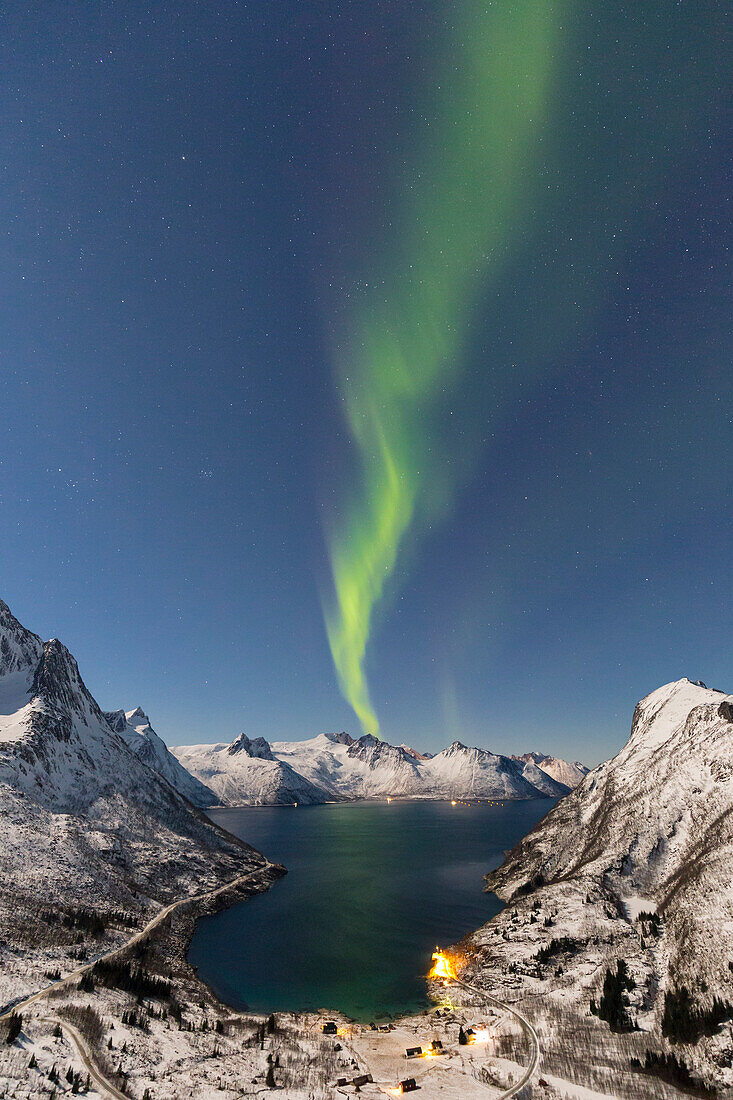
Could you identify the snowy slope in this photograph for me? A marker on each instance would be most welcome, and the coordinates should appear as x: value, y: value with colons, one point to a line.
x: 470, y: 772
x: 570, y: 775
x: 650, y: 830
x: 246, y: 773
x: 134, y: 726
x: 543, y: 780
x: 85, y: 821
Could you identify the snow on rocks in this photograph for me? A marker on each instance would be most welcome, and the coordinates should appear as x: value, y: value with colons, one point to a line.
x: 634, y: 865
x: 89, y: 831
x: 335, y: 767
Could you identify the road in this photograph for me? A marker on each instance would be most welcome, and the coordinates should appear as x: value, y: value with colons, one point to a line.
x: 75, y: 975
x: 527, y: 1028
x: 85, y: 1054
x: 158, y: 919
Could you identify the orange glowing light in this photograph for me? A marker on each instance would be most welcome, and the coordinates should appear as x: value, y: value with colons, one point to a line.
x: 442, y: 967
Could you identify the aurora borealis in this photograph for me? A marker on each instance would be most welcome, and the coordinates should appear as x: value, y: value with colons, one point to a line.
x: 370, y: 362
x: 451, y: 233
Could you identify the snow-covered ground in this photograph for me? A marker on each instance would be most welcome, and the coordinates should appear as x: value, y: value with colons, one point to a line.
x: 649, y: 832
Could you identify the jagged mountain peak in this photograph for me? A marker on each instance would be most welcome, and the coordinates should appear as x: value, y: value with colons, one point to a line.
x: 57, y: 682
x: 560, y: 771
x: 342, y: 738
x: 135, y: 728
x: 457, y: 748
x: 256, y: 747
x: 116, y: 719
x: 414, y: 753
x: 137, y: 717
x: 20, y: 649
x: 374, y: 751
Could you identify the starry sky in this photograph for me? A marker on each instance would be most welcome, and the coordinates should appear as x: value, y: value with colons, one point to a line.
x: 367, y: 366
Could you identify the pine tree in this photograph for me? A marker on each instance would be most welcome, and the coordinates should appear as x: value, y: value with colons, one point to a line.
x: 270, y: 1079
x: 15, y: 1026
x: 613, y: 1004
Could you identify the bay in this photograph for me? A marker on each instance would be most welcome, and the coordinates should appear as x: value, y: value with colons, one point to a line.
x: 371, y: 889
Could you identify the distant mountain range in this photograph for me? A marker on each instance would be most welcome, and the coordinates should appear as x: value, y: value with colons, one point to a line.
x: 334, y: 767
x: 570, y: 775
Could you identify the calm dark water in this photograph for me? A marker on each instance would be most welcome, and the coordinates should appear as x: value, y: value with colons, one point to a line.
x: 371, y: 889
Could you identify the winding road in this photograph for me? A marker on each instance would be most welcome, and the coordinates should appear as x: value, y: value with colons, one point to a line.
x: 71, y: 1032
x: 527, y: 1028
x: 74, y: 1036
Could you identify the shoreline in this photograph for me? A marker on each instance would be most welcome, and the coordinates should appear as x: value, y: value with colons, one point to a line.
x: 459, y: 800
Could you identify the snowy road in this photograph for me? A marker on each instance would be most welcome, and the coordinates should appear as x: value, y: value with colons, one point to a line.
x: 149, y: 927
x: 528, y: 1030
x: 69, y: 1030
x: 87, y: 1058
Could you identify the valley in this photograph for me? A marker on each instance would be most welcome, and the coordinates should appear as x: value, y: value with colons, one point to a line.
x: 611, y: 943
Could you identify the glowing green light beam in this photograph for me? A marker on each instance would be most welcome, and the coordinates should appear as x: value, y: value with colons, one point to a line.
x: 472, y: 182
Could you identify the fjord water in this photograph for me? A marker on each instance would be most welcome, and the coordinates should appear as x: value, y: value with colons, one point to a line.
x: 371, y: 889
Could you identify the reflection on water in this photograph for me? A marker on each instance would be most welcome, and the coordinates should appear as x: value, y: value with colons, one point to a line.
x: 371, y: 889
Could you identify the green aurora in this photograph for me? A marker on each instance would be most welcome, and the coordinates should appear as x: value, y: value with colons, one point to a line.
x: 451, y: 231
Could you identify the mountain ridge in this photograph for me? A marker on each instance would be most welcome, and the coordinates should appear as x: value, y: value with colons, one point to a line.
x: 631, y: 867
x: 337, y: 767
x: 86, y: 822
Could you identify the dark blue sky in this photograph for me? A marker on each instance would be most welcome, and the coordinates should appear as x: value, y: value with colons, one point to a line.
x: 189, y: 197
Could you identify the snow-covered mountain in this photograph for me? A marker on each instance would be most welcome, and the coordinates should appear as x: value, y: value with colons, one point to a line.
x: 648, y: 832
x: 570, y: 775
x: 84, y: 820
x: 335, y: 767
x: 247, y: 773
x: 134, y: 726
x: 477, y: 773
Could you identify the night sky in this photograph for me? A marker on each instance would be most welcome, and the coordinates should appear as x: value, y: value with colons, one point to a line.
x: 369, y: 359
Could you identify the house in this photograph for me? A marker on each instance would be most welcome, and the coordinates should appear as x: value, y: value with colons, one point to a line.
x: 330, y: 1028
x: 363, y: 1079
x: 413, y: 1052
x: 408, y: 1085
x: 436, y: 1046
